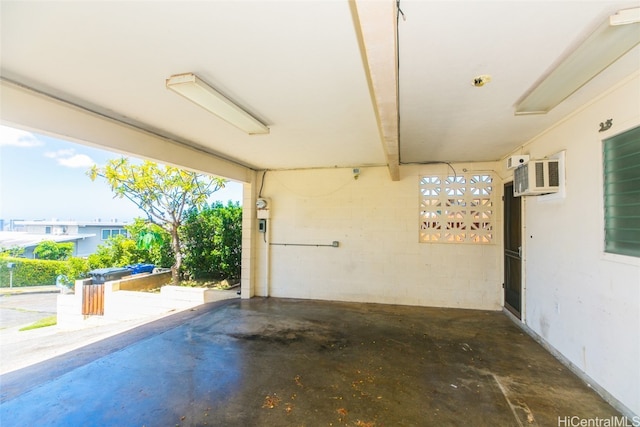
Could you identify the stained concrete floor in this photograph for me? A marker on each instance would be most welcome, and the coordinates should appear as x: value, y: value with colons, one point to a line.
x: 278, y: 362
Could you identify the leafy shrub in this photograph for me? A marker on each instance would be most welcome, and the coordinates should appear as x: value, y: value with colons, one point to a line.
x: 212, y: 241
x: 48, y: 249
x: 159, y: 249
x: 77, y: 268
x: 35, y: 272
x: 12, y: 251
x: 119, y: 251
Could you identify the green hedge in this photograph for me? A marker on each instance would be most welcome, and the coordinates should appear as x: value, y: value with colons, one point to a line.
x: 36, y: 272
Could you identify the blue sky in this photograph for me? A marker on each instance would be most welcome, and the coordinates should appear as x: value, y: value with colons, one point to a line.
x: 44, y: 178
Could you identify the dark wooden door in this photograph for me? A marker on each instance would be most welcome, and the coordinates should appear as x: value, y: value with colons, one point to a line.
x: 512, y: 251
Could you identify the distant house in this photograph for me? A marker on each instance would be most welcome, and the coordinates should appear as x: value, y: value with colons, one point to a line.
x: 85, y: 235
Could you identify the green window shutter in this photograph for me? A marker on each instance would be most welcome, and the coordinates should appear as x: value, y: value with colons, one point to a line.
x: 622, y: 193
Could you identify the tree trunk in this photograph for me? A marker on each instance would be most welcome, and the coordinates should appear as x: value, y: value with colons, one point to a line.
x: 175, y: 245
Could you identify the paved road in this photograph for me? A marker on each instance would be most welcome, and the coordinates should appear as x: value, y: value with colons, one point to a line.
x: 22, y: 310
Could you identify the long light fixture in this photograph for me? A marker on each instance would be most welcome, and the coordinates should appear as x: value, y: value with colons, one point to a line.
x: 197, y: 91
x: 615, y: 37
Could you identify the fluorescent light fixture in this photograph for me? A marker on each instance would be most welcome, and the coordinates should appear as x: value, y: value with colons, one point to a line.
x: 610, y: 41
x: 624, y: 17
x: 197, y: 91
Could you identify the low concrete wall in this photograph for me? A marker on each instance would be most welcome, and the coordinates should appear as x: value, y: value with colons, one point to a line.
x: 123, y: 300
x: 129, y: 305
x: 195, y: 296
x: 69, y: 307
x: 142, y: 282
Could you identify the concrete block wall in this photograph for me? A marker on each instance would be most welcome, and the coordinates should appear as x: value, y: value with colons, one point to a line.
x: 379, y: 258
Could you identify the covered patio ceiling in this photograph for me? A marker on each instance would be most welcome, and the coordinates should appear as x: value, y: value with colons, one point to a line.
x: 321, y: 74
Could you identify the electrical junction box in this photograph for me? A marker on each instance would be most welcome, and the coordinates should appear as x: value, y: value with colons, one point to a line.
x: 515, y: 161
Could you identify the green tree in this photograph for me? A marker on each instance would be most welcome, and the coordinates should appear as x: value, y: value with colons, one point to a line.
x: 212, y: 237
x: 48, y: 249
x: 154, y: 240
x: 118, y: 251
x: 14, y: 251
x: 163, y: 193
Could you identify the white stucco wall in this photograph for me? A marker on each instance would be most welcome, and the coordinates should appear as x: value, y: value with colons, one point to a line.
x: 581, y: 301
x: 379, y: 258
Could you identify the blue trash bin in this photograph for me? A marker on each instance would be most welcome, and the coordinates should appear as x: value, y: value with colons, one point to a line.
x: 140, y: 268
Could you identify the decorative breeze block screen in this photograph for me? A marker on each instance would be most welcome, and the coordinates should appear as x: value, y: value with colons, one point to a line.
x: 457, y: 209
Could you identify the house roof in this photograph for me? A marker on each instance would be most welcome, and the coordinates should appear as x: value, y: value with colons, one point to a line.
x: 299, y: 66
x: 19, y: 239
x: 55, y: 222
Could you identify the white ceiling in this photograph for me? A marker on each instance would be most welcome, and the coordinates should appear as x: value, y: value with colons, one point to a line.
x: 444, y: 45
x: 297, y: 66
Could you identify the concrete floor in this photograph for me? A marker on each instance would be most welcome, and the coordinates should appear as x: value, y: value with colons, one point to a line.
x: 275, y: 362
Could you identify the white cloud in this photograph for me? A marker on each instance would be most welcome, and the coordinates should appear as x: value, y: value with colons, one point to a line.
x: 68, y: 158
x: 59, y: 153
x: 18, y: 138
x: 76, y: 161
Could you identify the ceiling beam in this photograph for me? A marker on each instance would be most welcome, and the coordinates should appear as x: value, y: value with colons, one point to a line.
x: 28, y: 109
x: 376, y: 24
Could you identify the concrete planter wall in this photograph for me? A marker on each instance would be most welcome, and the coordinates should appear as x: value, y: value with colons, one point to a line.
x: 181, y: 294
x: 123, y: 300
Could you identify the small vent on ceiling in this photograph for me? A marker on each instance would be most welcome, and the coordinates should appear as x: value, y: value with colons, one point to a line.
x: 481, y: 80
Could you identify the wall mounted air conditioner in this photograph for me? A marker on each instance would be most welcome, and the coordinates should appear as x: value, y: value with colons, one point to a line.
x: 536, y: 177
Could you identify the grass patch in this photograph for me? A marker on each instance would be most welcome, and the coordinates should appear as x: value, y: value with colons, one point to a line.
x: 42, y: 323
